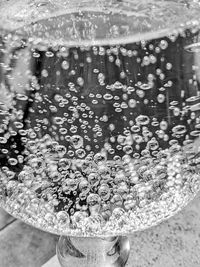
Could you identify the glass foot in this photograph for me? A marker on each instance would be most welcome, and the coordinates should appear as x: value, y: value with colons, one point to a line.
x: 93, y: 252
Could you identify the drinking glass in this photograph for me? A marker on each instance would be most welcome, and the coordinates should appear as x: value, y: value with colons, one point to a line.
x: 99, y: 119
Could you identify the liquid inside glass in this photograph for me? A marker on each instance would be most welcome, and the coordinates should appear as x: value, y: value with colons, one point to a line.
x: 98, y: 139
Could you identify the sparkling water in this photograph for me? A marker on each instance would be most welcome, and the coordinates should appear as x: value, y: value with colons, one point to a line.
x: 99, y: 114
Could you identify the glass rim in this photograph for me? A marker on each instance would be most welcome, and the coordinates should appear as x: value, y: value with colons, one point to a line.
x: 135, y: 34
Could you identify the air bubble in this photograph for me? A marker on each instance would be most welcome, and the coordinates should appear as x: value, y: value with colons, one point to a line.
x: 140, y: 93
x: 45, y: 73
x: 80, y: 153
x: 77, y: 141
x: 128, y: 149
x: 3, y: 140
x: 104, y: 192
x: 64, y: 164
x: 61, y: 150
x: 63, y: 218
x: 117, y: 85
x: 108, y: 96
x: 12, y: 161
x: 93, y: 179
x: 36, y: 55
x: 100, y: 158
x: 49, y: 54
x: 58, y: 120
x: 21, y: 97
x: 18, y: 124
x: 163, y: 44
x: 161, y: 98
x: 179, y: 129
x: 146, y: 86
x: 142, y: 120
x: 195, y: 133
x: 65, y: 65
x: 153, y: 144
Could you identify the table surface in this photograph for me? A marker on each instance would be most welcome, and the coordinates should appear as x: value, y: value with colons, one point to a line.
x: 173, y: 243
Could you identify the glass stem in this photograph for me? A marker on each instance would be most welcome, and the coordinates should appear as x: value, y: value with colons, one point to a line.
x: 93, y: 252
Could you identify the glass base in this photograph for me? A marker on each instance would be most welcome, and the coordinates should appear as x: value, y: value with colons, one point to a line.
x: 93, y: 252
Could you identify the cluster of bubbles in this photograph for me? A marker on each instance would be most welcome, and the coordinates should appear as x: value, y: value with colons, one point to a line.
x: 99, y: 140
x: 95, y: 195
